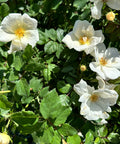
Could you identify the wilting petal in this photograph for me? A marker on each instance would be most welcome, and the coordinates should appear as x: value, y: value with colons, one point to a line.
x: 81, y: 87
x: 96, y: 10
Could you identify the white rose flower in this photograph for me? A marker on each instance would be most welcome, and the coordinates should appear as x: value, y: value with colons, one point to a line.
x: 20, y: 29
x: 96, y: 9
x: 83, y: 37
x: 4, y: 138
x: 104, y: 84
x: 107, y: 63
x: 95, y: 103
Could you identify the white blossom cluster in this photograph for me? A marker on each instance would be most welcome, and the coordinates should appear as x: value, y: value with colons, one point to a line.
x: 96, y: 103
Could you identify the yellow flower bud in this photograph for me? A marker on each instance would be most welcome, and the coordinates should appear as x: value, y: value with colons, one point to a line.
x: 4, y: 138
x: 110, y: 16
x: 83, y: 68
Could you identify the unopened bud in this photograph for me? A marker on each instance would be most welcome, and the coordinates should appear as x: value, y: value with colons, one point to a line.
x: 110, y: 16
x: 83, y: 68
x: 4, y: 138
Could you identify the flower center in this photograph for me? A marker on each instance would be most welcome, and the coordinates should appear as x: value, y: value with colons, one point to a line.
x: 20, y: 32
x: 103, y: 61
x: 84, y: 40
x: 94, y: 98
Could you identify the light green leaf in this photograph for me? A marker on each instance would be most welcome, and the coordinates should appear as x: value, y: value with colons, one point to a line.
x: 3, y: 0
x: 60, y: 34
x: 103, y: 131
x: 51, y: 47
x: 44, y: 91
x: 51, y: 34
x: 51, y: 107
x: 63, y: 87
x: 89, y: 138
x: 22, y: 87
x: 42, y: 38
x: 75, y: 139
x: 13, y: 76
x: 35, y: 84
x: 18, y: 61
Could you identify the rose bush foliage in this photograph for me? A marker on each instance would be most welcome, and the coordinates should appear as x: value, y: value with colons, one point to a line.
x: 38, y: 102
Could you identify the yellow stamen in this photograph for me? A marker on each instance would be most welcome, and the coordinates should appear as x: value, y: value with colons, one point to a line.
x: 103, y: 61
x: 84, y: 40
x: 94, y: 98
x: 20, y: 32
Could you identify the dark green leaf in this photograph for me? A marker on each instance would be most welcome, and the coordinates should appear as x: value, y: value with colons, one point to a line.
x: 67, y: 130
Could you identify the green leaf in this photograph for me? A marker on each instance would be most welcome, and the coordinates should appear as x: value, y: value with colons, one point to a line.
x: 85, y: 14
x: 42, y: 38
x: 27, y: 53
x: 25, y: 118
x: 13, y: 76
x: 62, y: 116
x: 103, y: 131
x: 97, y: 140
x: 51, y: 107
x: 67, y: 130
x: 114, y: 138
x: 51, y: 34
x: 44, y: 91
x: 4, y: 9
x: 35, y: 84
x: 89, y: 138
x: 5, y: 105
x: 63, y: 87
x: 59, y: 50
x: 18, y: 61
x: 51, y: 47
x: 56, y: 138
x: 3, y: 0
x: 34, y: 65
x: 75, y: 139
x: 60, y: 34
x: 48, y: 71
x: 48, y: 135
x: 28, y: 129
x: 79, y: 3
x: 22, y: 87
x: 48, y: 5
